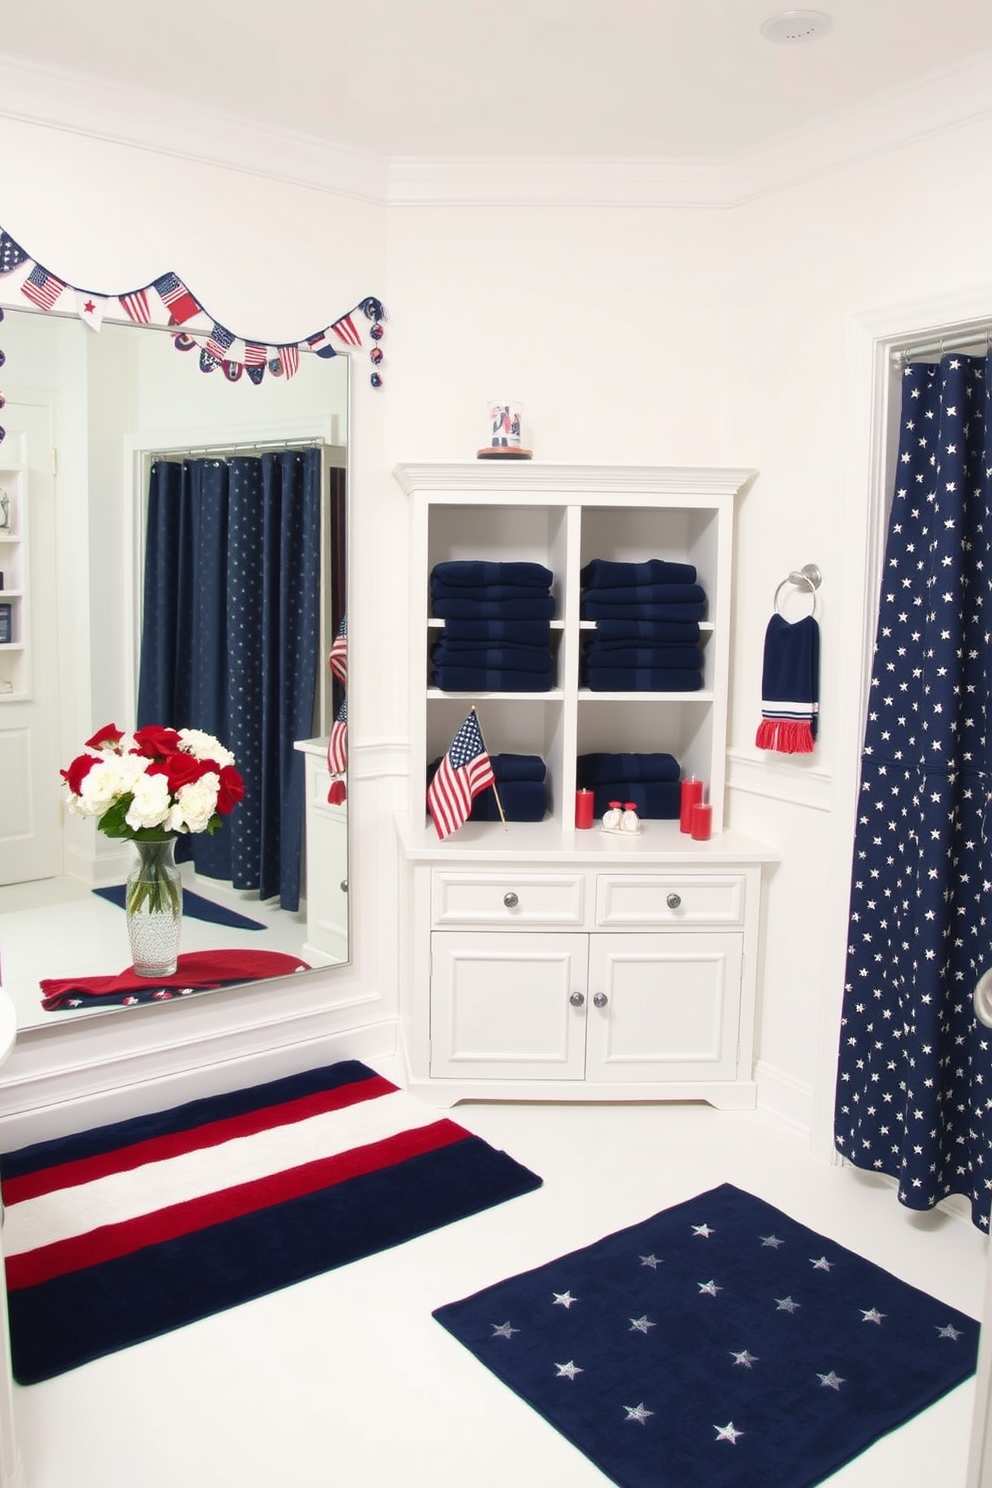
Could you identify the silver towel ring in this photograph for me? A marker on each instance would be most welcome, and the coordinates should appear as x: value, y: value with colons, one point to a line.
x: 808, y: 579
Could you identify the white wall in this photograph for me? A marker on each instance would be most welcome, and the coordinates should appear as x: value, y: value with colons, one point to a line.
x: 632, y: 335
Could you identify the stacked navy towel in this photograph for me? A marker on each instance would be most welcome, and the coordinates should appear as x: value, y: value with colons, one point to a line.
x: 650, y: 781
x: 520, y: 780
x: 647, y: 626
x: 497, y: 626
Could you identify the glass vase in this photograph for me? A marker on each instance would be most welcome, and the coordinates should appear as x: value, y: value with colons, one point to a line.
x: 153, y: 902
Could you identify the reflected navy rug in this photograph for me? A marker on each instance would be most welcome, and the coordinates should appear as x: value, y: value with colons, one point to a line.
x: 719, y: 1344
x: 194, y: 905
x: 131, y: 1230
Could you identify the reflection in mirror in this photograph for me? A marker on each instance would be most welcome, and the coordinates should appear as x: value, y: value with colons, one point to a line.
x: 139, y: 493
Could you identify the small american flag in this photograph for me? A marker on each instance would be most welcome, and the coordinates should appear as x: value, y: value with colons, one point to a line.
x: 320, y: 344
x: 12, y: 255
x: 465, y: 771
x: 255, y: 355
x: 337, y: 744
x: 347, y: 330
x: 338, y: 659
x: 220, y: 341
x: 289, y: 358
x: 176, y: 298
x: 42, y: 288
x: 135, y: 306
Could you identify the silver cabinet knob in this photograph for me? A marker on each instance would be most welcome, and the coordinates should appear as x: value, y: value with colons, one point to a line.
x: 344, y: 886
x: 673, y: 901
x: 510, y: 900
x: 600, y: 999
x: 577, y: 999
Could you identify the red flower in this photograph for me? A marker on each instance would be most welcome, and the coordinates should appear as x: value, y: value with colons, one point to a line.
x: 109, y: 736
x: 180, y: 769
x: 230, y: 791
x: 78, y: 771
x: 153, y: 741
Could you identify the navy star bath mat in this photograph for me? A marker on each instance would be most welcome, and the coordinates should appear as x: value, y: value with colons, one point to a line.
x: 719, y: 1344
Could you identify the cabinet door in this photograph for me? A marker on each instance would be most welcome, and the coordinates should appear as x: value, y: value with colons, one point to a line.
x: 502, y: 1008
x: 663, y: 1007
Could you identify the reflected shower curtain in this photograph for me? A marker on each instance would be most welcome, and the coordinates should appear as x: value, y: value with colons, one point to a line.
x: 914, y: 1091
x: 229, y: 643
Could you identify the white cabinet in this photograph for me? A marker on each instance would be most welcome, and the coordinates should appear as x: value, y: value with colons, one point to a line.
x: 612, y: 1008
x: 542, y: 961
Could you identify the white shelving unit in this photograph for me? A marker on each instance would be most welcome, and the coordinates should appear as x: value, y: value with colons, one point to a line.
x: 551, y: 962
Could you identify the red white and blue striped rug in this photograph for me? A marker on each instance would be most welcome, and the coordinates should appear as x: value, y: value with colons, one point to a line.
x: 128, y: 1231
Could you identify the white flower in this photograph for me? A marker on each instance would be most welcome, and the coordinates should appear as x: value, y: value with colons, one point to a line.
x: 151, y: 802
x: 198, y: 802
x: 205, y: 747
x: 110, y: 778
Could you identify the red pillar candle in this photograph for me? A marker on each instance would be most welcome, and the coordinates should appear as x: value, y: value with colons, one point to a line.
x: 702, y: 821
x: 691, y: 795
x: 583, y: 808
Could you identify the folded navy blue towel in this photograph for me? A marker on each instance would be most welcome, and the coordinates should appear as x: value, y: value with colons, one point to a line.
x: 618, y: 654
x: 480, y: 679
x: 671, y: 631
x: 473, y: 572
x: 508, y: 632
x: 642, y: 594
x: 644, y: 679
x: 523, y: 800
x: 657, y: 802
x: 514, y: 767
x: 484, y: 592
x: 538, y: 607
x: 599, y: 769
x: 603, y: 573
x: 594, y: 608
x: 494, y: 658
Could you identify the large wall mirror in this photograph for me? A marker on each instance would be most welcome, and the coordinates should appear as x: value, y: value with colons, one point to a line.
x: 106, y: 433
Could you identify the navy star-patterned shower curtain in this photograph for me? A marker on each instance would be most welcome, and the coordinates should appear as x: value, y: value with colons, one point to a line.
x: 229, y: 643
x: 914, y: 1091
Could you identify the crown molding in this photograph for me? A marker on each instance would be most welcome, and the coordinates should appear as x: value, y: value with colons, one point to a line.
x: 61, y: 98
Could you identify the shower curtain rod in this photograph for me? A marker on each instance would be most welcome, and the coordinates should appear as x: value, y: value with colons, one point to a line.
x: 953, y: 341
x: 314, y: 441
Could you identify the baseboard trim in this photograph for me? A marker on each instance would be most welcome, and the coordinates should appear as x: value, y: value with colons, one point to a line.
x: 74, y: 1101
x: 784, y: 1097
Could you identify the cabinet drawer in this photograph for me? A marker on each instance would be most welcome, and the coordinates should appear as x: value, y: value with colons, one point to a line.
x: 672, y: 900
x: 508, y: 900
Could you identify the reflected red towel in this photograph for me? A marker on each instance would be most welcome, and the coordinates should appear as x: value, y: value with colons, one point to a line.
x: 196, y: 971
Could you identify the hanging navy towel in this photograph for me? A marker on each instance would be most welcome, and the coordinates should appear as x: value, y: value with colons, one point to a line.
x: 790, y: 686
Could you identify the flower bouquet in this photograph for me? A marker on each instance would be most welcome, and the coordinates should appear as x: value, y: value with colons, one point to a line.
x: 150, y: 787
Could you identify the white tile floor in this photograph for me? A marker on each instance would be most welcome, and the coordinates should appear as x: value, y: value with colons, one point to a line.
x: 346, y: 1381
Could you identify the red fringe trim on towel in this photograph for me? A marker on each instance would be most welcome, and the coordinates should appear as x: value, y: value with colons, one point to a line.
x: 787, y: 735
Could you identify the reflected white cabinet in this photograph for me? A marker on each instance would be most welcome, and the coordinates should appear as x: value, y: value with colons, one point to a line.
x: 326, y: 883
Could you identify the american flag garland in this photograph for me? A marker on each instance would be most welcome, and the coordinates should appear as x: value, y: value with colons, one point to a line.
x: 168, y: 301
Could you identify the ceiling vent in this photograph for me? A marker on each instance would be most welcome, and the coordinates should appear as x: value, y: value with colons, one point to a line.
x: 794, y: 26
